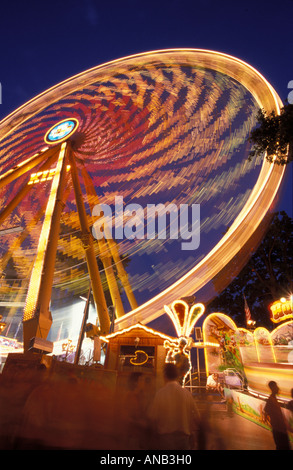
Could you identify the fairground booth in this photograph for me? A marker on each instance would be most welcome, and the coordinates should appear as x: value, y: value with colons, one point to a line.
x: 248, y: 359
x: 124, y: 190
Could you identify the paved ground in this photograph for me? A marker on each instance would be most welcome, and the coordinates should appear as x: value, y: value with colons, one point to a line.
x: 237, y: 433
x: 229, y: 431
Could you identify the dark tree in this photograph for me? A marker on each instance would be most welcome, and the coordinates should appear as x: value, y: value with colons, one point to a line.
x: 274, y: 135
x: 266, y: 277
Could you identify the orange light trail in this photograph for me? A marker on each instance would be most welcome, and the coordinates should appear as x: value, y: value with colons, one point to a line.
x: 128, y: 139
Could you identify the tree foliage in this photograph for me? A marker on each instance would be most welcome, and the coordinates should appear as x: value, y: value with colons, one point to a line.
x: 267, y: 276
x: 274, y: 135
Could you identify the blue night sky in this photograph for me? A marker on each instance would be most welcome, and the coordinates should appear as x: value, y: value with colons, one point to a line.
x: 43, y: 45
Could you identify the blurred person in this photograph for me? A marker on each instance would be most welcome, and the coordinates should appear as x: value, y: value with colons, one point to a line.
x: 290, y: 408
x: 131, y: 404
x: 54, y: 416
x: 182, y: 361
x: 173, y: 415
x: 290, y: 404
x: 214, y: 385
x: 17, y: 385
x: 273, y: 410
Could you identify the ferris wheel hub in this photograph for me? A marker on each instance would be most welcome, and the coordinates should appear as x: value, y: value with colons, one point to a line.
x: 61, y: 131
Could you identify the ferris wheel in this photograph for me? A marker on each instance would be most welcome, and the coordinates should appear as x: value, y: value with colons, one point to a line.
x: 163, y: 129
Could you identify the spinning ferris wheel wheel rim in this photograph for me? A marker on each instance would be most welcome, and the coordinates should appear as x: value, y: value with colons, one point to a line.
x: 67, y: 85
x: 259, y: 202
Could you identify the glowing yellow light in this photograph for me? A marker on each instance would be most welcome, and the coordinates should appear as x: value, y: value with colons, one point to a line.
x: 258, y: 376
x: 61, y: 131
x: 183, y: 317
x: 107, y: 338
x: 42, y: 176
x: 253, y: 212
x: 281, y: 310
x: 264, y: 345
x: 2, y: 324
x: 137, y: 361
x: 36, y: 276
x: 175, y: 347
x: 68, y: 347
x: 212, y: 264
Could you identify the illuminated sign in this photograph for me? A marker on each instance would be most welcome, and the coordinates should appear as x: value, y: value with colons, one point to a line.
x: 42, y: 176
x: 281, y: 310
x: 140, y: 358
x: 61, y: 131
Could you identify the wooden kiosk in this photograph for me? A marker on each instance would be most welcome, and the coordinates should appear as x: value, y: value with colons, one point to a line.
x: 136, y: 349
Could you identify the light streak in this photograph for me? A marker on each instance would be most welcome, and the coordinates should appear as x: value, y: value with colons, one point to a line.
x: 37, y: 273
x: 264, y: 345
x: 132, y: 125
x: 184, y: 317
x: 107, y: 338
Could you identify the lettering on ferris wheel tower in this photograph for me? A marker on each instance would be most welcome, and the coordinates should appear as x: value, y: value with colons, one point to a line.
x: 159, y: 221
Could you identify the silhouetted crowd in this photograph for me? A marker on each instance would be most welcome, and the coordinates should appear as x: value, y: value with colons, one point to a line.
x: 45, y: 411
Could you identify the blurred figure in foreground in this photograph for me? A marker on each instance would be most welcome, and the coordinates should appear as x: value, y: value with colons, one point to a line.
x: 181, y: 360
x: 290, y: 404
x: 173, y: 414
x: 274, y: 411
x: 131, y: 412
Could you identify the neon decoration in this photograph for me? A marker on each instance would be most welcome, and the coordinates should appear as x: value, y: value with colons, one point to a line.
x: 158, y: 127
x: 281, y: 310
x: 177, y: 353
x: 141, y: 357
x: 184, y: 317
x: 147, y: 329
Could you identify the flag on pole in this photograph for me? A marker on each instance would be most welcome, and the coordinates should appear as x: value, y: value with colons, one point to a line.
x: 249, y: 321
